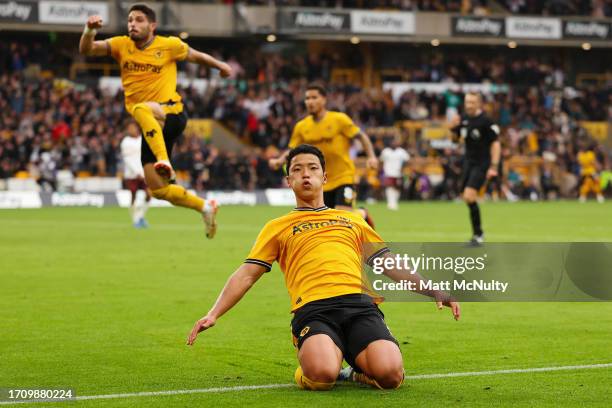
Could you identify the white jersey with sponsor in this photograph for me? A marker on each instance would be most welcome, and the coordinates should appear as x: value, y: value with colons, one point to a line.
x: 393, y: 161
x: 130, y: 152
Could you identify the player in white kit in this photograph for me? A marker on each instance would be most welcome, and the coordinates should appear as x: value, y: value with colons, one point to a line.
x: 133, y: 174
x: 393, y: 159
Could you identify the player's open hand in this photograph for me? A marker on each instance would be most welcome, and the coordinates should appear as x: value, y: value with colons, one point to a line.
x: 372, y: 163
x: 204, y: 323
x: 444, y: 299
x: 94, y: 22
x: 226, y: 70
x: 454, y: 306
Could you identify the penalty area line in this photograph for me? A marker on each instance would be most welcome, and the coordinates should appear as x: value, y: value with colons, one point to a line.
x: 276, y: 386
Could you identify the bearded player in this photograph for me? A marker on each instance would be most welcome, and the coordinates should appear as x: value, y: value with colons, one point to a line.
x: 320, y: 251
x: 148, y: 75
x: 332, y: 133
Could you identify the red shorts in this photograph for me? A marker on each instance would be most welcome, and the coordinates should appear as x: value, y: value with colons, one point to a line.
x: 393, y: 182
x: 135, y: 184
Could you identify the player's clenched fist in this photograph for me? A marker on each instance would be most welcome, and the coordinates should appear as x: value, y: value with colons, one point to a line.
x: 94, y: 22
x: 226, y: 70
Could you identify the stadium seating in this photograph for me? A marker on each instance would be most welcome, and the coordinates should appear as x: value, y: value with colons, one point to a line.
x: 594, y: 8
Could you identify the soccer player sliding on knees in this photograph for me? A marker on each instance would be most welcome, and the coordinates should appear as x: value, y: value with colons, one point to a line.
x: 148, y: 75
x: 320, y: 252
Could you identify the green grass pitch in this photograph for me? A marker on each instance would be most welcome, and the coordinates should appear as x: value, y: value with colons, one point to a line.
x: 88, y: 302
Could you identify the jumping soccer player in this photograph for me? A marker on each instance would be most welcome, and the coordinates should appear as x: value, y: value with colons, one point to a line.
x: 332, y: 133
x: 482, y: 155
x: 133, y: 174
x: 148, y: 74
x: 320, y: 252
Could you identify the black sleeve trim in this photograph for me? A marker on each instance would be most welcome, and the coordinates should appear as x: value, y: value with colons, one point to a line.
x: 376, y: 254
x: 259, y: 262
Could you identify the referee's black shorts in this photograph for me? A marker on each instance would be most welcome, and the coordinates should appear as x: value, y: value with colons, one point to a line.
x: 351, y: 321
x: 474, y: 176
x: 174, y: 125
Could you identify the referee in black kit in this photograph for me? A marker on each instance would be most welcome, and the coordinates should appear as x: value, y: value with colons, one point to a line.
x: 482, y: 155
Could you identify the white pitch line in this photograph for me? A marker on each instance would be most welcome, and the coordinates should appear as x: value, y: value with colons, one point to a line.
x: 157, y: 393
x: 510, y: 371
x: 193, y: 391
x: 275, y: 386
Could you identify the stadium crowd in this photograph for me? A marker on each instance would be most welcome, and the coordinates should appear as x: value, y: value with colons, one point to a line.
x: 593, y: 8
x: 47, y: 125
x: 464, y: 6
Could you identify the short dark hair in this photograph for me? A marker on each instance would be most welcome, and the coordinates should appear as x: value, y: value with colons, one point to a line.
x: 476, y: 94
x: 305, y: 149
x: 316, y: 86
x: 146, y: 10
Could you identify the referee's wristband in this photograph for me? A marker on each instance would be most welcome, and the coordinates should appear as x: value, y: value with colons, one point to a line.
x: 494, y: 165
x: 90, y: 31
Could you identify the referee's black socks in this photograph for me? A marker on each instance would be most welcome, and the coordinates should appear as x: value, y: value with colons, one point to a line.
x: 475, y: 218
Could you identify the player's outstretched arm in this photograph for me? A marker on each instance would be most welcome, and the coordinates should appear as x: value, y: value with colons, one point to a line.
x: 87, y: 45
x: 372, y: 162
x: 278, y: 162
x: 202, y: 58
x: 441, y: 298
x: 236, y: 286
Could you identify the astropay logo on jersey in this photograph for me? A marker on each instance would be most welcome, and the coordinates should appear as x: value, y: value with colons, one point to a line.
x: 71, y: 12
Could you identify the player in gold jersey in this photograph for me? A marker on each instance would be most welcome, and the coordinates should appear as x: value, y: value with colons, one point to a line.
x: 148, y: 74
x: 332, y: 133
x: 320, y: 252
x: 589, y: 175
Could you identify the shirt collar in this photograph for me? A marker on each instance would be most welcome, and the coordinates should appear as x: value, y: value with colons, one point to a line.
x: 311, y: 209
x: 146, y: 45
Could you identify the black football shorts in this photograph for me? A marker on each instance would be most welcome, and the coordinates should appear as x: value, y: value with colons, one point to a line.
x: 474, y: 176
x: 351, y: 321
x: 341, y: 195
